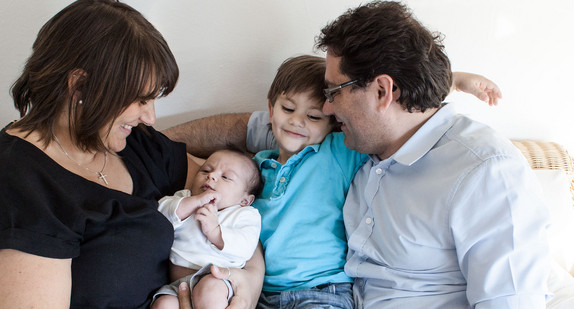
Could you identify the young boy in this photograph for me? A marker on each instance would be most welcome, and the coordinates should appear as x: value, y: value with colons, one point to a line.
x: 306, y: 181
x: 213, y: 224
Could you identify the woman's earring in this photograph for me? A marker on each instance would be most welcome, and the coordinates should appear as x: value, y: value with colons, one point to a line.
x: 80, y: 102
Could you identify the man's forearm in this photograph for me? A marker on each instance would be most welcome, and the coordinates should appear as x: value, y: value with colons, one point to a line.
x: 206, y: 135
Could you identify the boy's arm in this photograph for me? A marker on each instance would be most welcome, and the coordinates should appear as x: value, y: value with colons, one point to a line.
x: 206, y: 135
x: 477, y: 85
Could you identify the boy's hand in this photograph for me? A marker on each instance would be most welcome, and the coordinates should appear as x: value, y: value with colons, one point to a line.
x: 477, y: 85
x: 207, y: 218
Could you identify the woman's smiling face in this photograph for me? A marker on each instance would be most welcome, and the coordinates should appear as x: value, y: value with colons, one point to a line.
x: 136, y: 113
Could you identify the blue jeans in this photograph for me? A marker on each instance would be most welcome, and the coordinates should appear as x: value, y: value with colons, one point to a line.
x: 327, y: 296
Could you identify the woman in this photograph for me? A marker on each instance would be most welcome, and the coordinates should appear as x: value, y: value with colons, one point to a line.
x: 82, y: 170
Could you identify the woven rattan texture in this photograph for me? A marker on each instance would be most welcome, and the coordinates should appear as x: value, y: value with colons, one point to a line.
x: 547, y: 155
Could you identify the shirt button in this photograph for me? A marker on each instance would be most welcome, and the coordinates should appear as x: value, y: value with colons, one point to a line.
x: 282, y: 179
x: 273, y: 165
x: 379, y: 171
x: 368, y: 221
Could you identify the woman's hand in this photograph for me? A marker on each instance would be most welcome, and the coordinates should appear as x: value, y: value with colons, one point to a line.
x: 477, y: 85
x: 184, y: 296
x: 246, y: 282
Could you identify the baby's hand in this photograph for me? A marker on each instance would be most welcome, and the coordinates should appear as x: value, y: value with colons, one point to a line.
x: 191, y: 204
x: 207, y: 197
x: 207, y: 218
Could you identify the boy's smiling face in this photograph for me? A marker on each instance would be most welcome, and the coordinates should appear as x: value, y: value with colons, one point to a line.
x: 297, y: 121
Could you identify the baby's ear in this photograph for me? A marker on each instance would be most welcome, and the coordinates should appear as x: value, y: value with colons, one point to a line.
x: 248, y: 200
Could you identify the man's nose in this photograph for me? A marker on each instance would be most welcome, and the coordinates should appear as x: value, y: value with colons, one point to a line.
x: 328, y: 108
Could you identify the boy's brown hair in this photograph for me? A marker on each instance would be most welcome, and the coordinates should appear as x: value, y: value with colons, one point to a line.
x: 299, y: 74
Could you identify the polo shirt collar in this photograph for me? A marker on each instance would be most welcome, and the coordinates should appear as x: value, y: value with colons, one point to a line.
x: 266, y: 155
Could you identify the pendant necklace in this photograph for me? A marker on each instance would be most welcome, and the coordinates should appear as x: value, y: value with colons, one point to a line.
x: 100, y: 174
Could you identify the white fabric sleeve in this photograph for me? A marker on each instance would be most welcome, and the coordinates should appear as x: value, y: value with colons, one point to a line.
x: 241, y: 237
x: 168, y: 206
x: 259, y: 134
x: 499, y: 222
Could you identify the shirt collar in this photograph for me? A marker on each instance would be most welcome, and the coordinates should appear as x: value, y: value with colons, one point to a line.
x: 426, y: 137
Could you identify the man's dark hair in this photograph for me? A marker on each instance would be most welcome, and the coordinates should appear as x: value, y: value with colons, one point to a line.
x: 383, y: 37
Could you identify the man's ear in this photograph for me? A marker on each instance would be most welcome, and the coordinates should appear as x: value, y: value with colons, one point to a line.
x: 248, y: 200
x: 75, y: 78
x: 384, y: 84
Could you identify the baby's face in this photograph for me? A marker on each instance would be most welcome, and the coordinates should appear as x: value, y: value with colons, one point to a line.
x: 227, y: 173
x: 297, y: 121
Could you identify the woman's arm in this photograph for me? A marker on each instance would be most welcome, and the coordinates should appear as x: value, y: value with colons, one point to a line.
x: 193, y: 165
x: 246, y: 282
x: 31, y: 281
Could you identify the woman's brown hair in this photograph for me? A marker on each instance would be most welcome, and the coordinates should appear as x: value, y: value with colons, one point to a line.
x: 117, y: 57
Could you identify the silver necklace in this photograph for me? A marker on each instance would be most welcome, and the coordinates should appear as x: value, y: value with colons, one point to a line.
x: 100, y: 174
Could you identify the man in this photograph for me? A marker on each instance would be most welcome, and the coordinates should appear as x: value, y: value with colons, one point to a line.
x: 446, y: 214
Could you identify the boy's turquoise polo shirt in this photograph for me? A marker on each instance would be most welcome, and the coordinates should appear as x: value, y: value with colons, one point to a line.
x: 302, y: 229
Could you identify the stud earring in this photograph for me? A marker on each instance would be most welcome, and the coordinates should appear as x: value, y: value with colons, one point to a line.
x: 80, y: 102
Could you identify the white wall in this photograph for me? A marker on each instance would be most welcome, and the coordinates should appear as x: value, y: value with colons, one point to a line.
x: 228, y: 52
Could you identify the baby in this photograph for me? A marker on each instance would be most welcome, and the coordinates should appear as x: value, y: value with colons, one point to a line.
x: 214, y: 224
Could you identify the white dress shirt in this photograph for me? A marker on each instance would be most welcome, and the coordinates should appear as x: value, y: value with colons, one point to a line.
x: 454, y: 219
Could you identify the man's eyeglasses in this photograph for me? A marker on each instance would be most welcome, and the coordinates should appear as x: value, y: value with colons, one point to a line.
x: 330, y: 91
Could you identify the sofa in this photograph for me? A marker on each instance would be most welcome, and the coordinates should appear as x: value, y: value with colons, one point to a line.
x: 554, y: 168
